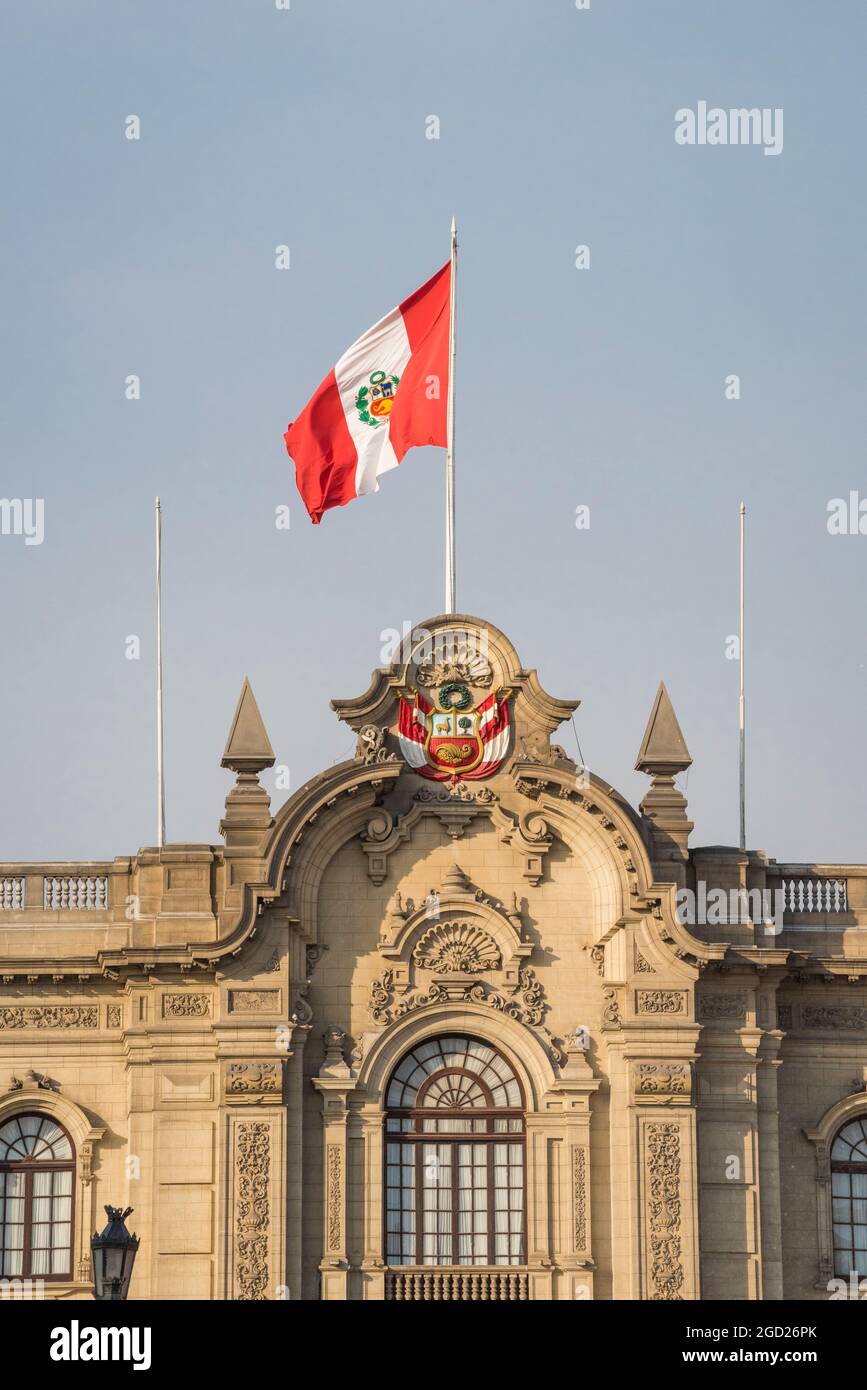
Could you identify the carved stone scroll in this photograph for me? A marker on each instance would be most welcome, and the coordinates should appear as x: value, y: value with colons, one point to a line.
x: 660, y: 1001
x: 186, y: 1006
x: 50, y: 1016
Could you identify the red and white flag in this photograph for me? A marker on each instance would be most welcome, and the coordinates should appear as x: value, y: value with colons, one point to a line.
x: 388, y: 392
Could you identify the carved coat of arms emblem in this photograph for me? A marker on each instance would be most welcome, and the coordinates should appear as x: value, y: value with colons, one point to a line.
x: 453, y: 739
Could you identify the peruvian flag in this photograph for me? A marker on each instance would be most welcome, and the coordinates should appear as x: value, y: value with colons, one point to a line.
x: 413, y: 726
x: 388, y: 392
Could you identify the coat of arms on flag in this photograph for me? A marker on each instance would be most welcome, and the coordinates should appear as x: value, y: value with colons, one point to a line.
x: 453, y: 739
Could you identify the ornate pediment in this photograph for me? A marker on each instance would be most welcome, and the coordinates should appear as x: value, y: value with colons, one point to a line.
x: 457, y: 929
x: 460, y: 943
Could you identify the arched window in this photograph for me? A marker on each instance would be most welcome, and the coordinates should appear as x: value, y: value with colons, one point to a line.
x: 454, y: 1160
x: 37, y: 1166
x: 849, y: 1196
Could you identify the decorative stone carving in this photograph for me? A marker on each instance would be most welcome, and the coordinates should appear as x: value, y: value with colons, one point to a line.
x: 312, y: 957
x: 334, y: 1064
x: 527, y: 1004
x: 254, y: 1081
x: 334, y: 1196
x: 113, y: 1016
x: 371, y: 747
x: 537, y: 749
x: 642, y: 966
x: 848, y: 1017
x: 785, y: 1018
x: 458, y: 948
x: 379, y: 997
x: 661, y: 1079
x: 579, y: 1198
x: 252, y: 1210
x: 611, y: 1009
x: 723, y: 1006
x: 273, y: 962
x: 660, y: 1001
x: 302, y: 1014
x: 458, y: 929
x: 532, y: 839
x: 467, y: 664
x: 456, y: 808
x: 186, y: 1006
x: 460, y: 790
x: 665, y: 1268
x: 254, y: 1001
x: 49, y: 1016
x: 597, y: 955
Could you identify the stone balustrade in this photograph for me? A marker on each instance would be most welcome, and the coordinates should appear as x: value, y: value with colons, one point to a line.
x: 458, y: 1284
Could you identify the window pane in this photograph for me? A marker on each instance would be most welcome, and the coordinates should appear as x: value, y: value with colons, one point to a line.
x: 41, y: 1209
x: 14, y: 1209
x: 60, y: 1236
x: 42, y: 1183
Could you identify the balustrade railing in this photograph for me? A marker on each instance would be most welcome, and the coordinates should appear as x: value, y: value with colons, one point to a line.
x: 465, y: 1284
x: 814, y: 894
x: 11, y: 894
x: 75, y: 894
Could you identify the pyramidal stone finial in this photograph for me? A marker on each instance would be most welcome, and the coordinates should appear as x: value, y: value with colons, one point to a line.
x: 248, y: 748
x: 662, y: 755
x: 663, y: 749
x: 456, y: 881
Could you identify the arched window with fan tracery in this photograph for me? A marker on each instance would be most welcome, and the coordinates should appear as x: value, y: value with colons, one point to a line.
x: 454, y: 1157
x: 849, y: 1197
x: 37, y: 1170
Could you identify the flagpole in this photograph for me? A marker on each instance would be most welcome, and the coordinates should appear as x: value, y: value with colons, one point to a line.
x: 161, y: 790
x: 450, y: 434
x: 741, y: 705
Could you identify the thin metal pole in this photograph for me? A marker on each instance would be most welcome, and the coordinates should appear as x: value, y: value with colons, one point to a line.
x: 741, y: 704
x: 450, y: 434
x: 161, y: 790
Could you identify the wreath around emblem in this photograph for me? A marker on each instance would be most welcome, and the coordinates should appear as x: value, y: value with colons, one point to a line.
x: 454, y: 688
x: 361, y: 401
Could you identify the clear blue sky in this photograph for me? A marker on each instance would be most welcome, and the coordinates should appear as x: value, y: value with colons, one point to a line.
x: 603, y: 387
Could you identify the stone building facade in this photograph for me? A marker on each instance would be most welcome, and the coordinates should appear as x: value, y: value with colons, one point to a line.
x: 440, y: 1027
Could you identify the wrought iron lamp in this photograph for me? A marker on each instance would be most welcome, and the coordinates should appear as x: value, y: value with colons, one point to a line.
x: 114, y: 1255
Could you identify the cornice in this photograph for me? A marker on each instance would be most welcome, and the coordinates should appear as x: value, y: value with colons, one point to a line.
x: 347, y: 779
